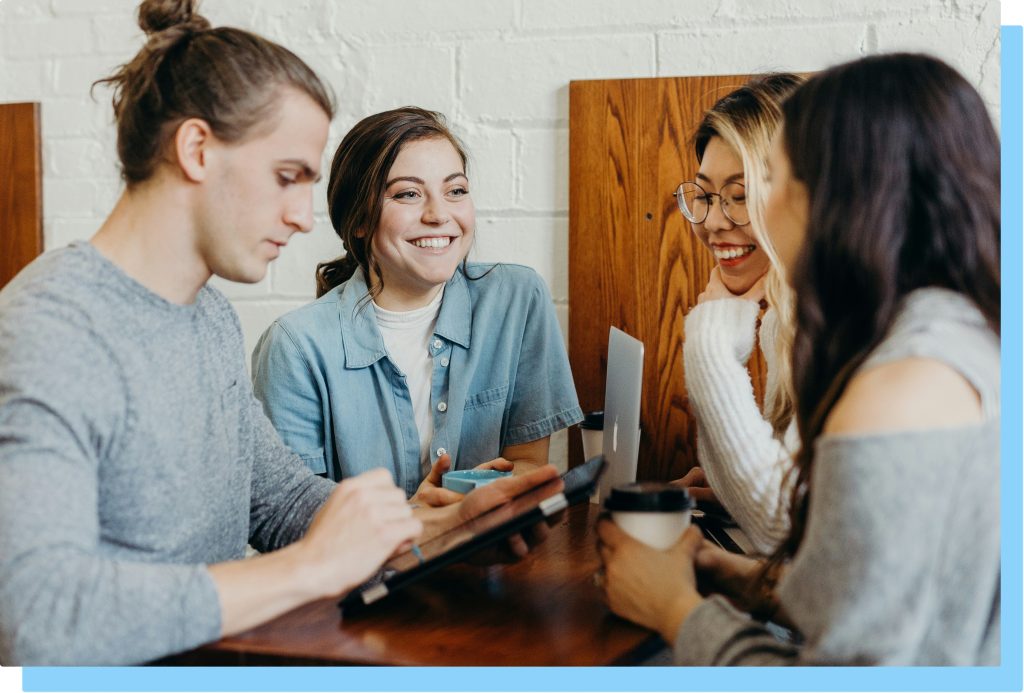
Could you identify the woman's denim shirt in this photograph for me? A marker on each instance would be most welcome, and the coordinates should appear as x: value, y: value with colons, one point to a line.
x: 501, y: 377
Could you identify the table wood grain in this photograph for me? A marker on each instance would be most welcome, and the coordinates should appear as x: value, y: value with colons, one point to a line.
x: 544, y: 610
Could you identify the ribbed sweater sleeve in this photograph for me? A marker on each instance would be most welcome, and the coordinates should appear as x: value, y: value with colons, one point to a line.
x: 717, y: 634
x: 887, y: 574
x: 286, y: 495
x: 744, y: 462
x: 63, y: 598
x: 900, y: 560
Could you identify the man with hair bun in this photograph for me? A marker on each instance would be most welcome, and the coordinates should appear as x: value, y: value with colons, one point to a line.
x: 136, y: 462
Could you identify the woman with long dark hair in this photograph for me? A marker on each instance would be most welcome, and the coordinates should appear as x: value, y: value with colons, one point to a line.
x: 413, y: 359
x: 885, y: 209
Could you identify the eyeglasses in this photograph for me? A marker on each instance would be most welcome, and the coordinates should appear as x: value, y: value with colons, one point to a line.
x: 695, y: 202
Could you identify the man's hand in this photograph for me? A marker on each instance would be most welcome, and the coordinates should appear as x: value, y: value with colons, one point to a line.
x: 364, y: 521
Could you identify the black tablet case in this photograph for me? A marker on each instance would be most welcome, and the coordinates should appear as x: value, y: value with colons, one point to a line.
x: 524, y: 511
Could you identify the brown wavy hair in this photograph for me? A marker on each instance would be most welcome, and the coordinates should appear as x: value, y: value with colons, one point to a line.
x: 228, y: 77
x: 901, y: 163
x: 355, y: 191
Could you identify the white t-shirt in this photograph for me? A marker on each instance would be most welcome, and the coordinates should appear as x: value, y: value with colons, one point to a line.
x: 407, y: 338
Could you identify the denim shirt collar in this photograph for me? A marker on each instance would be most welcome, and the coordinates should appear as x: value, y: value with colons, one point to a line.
x: 361, y: 338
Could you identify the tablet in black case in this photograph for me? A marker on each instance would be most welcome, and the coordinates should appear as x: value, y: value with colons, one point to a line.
x: 460, y: 542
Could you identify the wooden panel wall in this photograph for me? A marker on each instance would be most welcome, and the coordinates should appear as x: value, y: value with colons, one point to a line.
x: 21, y: 188
x: 633, y: 260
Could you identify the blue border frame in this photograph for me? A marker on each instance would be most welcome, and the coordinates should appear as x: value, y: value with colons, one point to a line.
x: 1005, y: 677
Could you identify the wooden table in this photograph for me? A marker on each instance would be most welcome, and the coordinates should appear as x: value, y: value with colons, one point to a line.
x: 544, y: 610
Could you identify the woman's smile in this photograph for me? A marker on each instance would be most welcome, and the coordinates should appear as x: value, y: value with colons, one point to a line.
x: 732, y: 255
x: 435, y: 243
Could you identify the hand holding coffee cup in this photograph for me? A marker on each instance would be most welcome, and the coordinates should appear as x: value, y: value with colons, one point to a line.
x: 654, y: 513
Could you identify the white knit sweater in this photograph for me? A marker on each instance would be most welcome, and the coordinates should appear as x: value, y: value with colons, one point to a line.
x: 744, y: 462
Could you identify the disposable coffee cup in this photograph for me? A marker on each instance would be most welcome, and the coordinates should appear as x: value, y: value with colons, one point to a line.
x: 592, y: 430
x: 656, y: 514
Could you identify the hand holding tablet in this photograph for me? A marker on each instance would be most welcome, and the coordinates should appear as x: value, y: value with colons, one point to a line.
x: 487, y: 517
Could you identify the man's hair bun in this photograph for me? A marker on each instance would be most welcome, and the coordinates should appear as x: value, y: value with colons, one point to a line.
x: 159, y: 15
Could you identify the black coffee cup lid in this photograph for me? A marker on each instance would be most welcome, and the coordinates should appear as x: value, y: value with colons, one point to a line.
x: 648, y: 497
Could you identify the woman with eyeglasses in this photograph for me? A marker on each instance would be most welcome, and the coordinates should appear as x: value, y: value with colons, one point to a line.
x: 884, y: 209
x: 743, y: 453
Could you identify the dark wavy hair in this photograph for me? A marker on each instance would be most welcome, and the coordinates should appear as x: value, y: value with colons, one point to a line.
x: 228, y: 77
x: 359, y: 174
x: 901, y: 163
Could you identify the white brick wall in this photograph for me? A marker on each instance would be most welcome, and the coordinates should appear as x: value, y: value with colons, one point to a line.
x: 499, y: 68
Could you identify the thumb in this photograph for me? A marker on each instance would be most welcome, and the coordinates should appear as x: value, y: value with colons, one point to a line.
x: 438, y: 469
x: 690, y: 542
x: 708, y: 556
x: 498, y: 463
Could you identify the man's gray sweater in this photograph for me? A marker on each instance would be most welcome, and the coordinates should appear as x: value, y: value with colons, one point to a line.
x: 132, y: 455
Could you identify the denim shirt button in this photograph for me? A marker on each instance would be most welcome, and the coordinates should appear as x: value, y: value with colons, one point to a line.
x: 441, y: 406
x: 441, y: 451
x: 437, y: 343
x: 444, y: 362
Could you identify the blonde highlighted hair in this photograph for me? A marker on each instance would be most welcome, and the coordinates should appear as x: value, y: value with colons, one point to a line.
x: 746, y: 119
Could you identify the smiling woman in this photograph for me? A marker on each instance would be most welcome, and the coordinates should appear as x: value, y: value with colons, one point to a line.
x: 412, y: 358
x: 426, y: 224
x: 744, y: 453
x: 721, y: 219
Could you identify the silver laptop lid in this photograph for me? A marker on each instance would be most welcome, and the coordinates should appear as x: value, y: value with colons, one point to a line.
x: 622, y: 409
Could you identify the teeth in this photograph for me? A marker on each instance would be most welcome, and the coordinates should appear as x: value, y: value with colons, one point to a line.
x: 731, y: 253
x: 440, y: 242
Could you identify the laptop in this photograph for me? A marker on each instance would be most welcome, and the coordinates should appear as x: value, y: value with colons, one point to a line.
x: 621, y: 442
x: 623, y: 385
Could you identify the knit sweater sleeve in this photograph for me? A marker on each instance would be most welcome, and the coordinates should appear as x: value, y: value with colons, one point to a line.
x: 898, y: 566
x: 743, y: 460
x: 286, y: 495
x: 63, y: 600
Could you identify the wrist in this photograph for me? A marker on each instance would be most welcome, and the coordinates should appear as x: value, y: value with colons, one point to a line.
x: 677, y: 613
x: 436, y: 520
x: 311, y: 573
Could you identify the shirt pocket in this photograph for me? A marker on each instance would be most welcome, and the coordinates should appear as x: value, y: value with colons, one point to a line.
x: 482, y: 418
x: 314, y: 460
x: 495, y: 395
